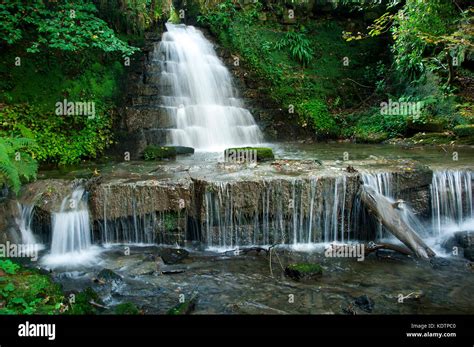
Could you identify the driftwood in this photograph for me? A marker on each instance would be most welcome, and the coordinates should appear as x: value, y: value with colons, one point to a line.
x: 391, y: 217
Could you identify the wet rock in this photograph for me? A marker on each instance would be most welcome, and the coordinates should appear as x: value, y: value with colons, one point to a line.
x: 438, y: 262
x: 172, y: 256
x: 304, y: 271
x: 107, y: 276
x: 184, y: 150
x: 469, y: 253
x: 465, y: 238
x: 364, y: 303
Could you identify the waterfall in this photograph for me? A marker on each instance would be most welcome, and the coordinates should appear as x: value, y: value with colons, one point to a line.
x: 451, y: 201
x: 197, y: 93
x: 71, y: 232
x: 24, y: 224
x: 299, y: 212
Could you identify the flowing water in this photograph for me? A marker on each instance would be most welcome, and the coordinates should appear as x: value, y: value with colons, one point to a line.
x: 452, y: 201
x: 199, y: 95
x: 25, y: 223
x: 71, y: 233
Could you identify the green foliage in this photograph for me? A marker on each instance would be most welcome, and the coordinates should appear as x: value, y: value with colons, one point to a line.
x: 299, y: 47
x: 9, y: 267
x: 25, y: 291
x: 220, y: 17
x: 60, y: 139
x: 316, y: 113
x: 16, y: 163
x: 60, y: 25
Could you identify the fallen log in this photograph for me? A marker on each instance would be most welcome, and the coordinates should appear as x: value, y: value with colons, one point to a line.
x: 375, y: 247
x: 391, y: 217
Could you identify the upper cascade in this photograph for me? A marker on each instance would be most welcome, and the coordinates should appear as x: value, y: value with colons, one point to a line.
x: 196, y: 91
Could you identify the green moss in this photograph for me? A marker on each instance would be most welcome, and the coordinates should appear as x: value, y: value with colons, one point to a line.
x: 126, y: 308
x: 263, y: 153
x: 464, y: 130
x: 184, y: 308
x: 432, y: 138
x: 82, y: 302
x: 306, y: 268
x: 304, y: 271
x: 162, y: 152
x: 370, y: 137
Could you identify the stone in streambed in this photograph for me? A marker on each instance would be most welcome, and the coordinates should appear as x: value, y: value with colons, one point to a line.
x: 364, y: 303
x: 184, y: 150
x: 469, y: 253
x: 247, y: 154
x: 304, y: 271
x: 172, y: 256
x: 107, y: 275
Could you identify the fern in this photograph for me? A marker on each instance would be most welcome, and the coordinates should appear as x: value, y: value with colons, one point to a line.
x: 299, y: 47
x: 16, y: 164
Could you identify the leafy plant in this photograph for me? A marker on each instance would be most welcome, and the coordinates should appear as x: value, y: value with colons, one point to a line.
x: 16, y: 163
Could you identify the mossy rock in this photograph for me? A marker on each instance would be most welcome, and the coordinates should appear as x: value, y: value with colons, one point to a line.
x: 434, y: 125
x: 304, y: 271
x: 432, y: 138
x: 185, y: 307
x: 247, y: 153
x: 158, y: 153
x: 126, y: 308
x: 371, y: 137
x: 82, y: 302
x: 465, y: 130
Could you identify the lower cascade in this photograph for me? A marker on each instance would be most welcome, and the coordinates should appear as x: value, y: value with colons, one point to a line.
x: 71, y: 243
x: 71, y: 225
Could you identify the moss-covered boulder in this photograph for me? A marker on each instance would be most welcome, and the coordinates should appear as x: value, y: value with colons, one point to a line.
x: 431, y: 125
x: 159, y: 152
x: 304, y: 271
x: 248, y: 154
x: 465, y: 130
x: 376, y: 137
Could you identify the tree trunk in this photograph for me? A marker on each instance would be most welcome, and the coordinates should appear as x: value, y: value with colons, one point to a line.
x: 391, y: 217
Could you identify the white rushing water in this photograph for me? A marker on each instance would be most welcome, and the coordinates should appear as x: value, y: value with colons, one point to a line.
x: 24, y: 223
x: 199, y: 93
x: 71, y: 233
x: 452, y: 201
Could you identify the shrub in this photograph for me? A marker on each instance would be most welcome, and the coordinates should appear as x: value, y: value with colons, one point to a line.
x: 316, y: 112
